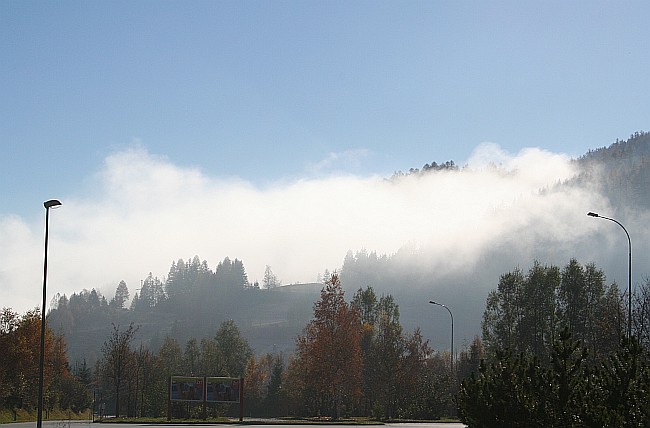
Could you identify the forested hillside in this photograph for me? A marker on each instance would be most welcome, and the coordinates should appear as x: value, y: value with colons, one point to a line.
x: 621, y: 171
x: 193, y: 299
x: 191, y: 302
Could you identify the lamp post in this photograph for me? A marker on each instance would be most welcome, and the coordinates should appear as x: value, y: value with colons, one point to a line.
x: 53, y: 203
x: 629, y: 271
x: 452, y: 335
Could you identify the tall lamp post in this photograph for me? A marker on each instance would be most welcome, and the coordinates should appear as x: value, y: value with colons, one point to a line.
x: 629, y: 271
x: 53, y: 203
x: 452, y: 335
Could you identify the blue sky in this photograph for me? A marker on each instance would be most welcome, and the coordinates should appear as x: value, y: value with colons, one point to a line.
x: 264, y: 90
x: 267, y: 94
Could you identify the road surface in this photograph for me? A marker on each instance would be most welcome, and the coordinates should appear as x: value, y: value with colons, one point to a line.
x: 88, y: 424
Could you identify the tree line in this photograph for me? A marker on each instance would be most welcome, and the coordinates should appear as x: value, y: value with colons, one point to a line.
x: 190, y: 301
x: 527, y: 311
x: 133, y: 381
x: 352, y: 359
x: 548, y: 331
x: 556, y: 354
x: 518, y: 390
x: 187, y: 282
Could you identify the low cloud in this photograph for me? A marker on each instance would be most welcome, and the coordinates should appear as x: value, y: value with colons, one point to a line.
x: 338, y: 162
x: 145, y: 212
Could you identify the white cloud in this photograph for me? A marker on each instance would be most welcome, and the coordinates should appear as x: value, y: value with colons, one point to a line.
x: 338, y: 162
x: 146, y: 212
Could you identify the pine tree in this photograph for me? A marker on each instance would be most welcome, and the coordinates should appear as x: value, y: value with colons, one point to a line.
x: 121, y: 295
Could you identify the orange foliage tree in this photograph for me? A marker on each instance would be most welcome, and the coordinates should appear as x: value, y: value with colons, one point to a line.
x: 19, y: 365
x: 329, y: 352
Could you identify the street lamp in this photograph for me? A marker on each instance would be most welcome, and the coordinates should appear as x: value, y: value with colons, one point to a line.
x: 452, y: 334
x: 629, y: 271
x: 52, y: 203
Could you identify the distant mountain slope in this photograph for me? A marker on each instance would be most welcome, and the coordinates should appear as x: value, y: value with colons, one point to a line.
x: 621, y: 171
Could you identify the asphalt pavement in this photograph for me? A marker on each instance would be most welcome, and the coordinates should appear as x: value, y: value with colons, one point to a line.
x: 255, y: 423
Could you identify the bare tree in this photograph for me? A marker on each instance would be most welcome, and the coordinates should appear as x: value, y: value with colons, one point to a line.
x: 115, y: 364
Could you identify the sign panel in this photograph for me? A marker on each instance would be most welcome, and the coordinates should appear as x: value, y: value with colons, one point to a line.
x: 223, y: 389
x: 187, y: 388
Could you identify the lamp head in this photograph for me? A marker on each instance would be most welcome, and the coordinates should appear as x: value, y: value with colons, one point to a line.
x: 52, y: 203
x: 592, y: 214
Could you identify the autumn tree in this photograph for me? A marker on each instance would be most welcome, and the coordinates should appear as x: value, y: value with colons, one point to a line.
x: 19, y: 365
x: 60, y: 374
x: 256, y: 377
x: 330, y: 350
x: 19, y: 341
x: 117, y: 359
x: 423, y: 392
x: 302, y: 396
x: 263, y: 390
x: 74, y: 393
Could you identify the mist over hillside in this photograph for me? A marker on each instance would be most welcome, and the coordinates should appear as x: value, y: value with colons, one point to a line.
x: 549, y: 225
x: 443, y: 234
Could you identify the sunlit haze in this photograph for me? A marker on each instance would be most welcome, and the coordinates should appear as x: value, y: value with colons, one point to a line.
x: 142, y: 212
x: 268, y: 131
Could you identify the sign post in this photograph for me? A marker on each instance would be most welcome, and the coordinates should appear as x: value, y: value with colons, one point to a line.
x: 206, y: 390
x: 241, y: 399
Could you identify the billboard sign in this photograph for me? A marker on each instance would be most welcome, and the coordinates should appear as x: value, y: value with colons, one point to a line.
x: 223, y: 389
x: 187, y: 388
